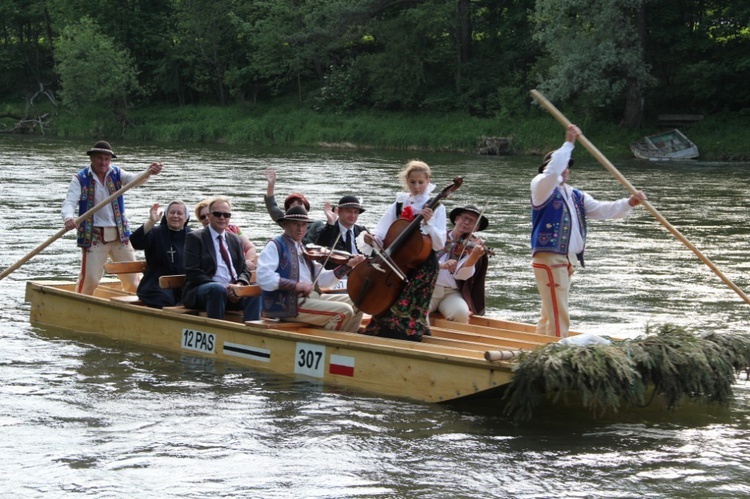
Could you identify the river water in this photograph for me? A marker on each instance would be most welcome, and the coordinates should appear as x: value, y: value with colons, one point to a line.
x: 91, y: 417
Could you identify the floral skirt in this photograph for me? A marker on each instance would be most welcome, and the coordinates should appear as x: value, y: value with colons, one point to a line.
x: 407, y: 317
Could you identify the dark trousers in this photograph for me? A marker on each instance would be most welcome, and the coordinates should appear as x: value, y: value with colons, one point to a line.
x: 212, y: 297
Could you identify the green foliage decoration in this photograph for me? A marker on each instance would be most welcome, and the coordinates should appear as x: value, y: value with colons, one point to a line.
x: 670, y: 363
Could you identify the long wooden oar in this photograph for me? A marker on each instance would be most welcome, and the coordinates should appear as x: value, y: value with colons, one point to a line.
x: 609, y: 166
x: 140, y: 178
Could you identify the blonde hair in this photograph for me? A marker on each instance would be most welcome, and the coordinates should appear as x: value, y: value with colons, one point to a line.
x: 207, y: 203
x: 414, y: 166
x: 199, y: 207
x: 219, y: 200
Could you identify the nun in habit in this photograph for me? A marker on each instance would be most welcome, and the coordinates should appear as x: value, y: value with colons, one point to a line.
x: 164, y: 246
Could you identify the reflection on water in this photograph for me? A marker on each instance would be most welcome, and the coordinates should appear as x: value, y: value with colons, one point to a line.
x: 103, y: 418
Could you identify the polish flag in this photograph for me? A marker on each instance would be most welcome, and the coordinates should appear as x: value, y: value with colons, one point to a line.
x: 341, y: 364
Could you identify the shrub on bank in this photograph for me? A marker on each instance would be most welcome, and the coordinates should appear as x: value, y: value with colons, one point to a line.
x: 285, y: 123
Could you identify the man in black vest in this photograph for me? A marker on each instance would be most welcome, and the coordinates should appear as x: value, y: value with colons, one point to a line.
x: 342, y: 219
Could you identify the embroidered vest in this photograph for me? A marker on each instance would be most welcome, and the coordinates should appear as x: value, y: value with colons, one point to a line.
x: 283, y: 302
x: 551, y: 223
x: 454, y: 247
x: 113, y: 182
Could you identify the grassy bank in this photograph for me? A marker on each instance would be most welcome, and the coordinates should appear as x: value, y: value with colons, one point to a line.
x: 286, y: 123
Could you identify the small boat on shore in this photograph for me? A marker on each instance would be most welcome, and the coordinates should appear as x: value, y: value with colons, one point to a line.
x: 665, y: 146
x: 487, y: 357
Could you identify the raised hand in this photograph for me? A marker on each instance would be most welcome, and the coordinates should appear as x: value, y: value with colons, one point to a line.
x: 155, y: 213
x: 331, y: 216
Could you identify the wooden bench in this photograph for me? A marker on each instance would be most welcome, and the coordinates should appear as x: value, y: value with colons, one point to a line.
x: 679, y: 119
x: 134, y: 267
x: 125, y: 267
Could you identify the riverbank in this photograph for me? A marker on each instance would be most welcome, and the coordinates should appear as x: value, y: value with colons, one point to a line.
x: 721, y: 138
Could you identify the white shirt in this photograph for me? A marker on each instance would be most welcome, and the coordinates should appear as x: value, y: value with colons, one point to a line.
x: 543, y: 185
x: 104, y: 217
x: 343, y: 230
x: 223, y: 275
x: 435, y: 228
x: 448, y: 279
x: 268, y: 261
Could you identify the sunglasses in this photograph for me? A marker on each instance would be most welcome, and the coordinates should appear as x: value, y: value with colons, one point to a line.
x: 203, y: 217
x: 219, y: 214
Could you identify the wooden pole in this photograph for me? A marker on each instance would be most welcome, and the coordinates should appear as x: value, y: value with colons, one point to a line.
x: 139, y: 179
x: 609, y: 166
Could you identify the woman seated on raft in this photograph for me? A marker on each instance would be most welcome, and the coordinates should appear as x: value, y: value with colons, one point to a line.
x: 164, y: 246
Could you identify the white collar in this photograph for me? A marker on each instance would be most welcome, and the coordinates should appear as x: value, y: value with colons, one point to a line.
x: 406, y: 197
x: 215, y: 234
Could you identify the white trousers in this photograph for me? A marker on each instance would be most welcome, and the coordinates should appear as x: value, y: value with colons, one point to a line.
x: 449, y: 302
x: 552, y: 273
x: 332, y: 311
x: 94, y: 258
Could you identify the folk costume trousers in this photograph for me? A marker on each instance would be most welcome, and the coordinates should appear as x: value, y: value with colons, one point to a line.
x: 449, y: 302
x: 552, y: 272
x: 105, y: 243
x: 331, y: 311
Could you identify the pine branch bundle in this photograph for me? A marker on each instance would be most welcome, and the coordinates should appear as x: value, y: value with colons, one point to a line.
x: 676, y: 363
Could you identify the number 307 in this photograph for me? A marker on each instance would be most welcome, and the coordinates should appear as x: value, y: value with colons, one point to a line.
x: 309, y: 359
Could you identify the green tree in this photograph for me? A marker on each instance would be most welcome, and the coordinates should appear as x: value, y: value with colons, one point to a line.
x: 93, y: 70
x: 291, y: 45
x: 207, y: 46
x: 144, y: 27
x: 436, y: 55
x: 25, y: 48
x: 700, y: 54
x: 594, y: 54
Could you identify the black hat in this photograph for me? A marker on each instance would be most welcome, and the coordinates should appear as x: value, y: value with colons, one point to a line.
x: 101, y: 146
x: 350, y: 202
x: 483, y: 222
x: 548, y: 158
x: 295, y: 214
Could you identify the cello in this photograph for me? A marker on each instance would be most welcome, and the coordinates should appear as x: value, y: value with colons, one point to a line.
x: 375, y: 284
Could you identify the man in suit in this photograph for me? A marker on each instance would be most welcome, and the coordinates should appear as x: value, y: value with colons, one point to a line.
x: 215, y: 266
x: 342, y: 219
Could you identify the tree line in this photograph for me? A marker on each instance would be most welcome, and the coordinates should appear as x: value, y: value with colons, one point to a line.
x: 620, y: 60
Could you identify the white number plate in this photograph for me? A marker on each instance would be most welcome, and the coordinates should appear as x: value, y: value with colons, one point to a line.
x: 310, y: 359
x: 198, y: 341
